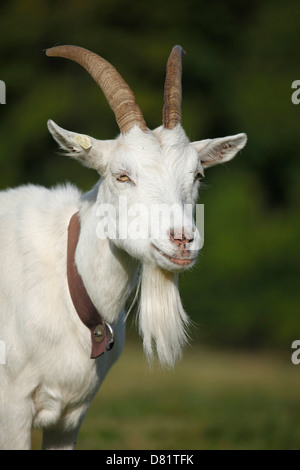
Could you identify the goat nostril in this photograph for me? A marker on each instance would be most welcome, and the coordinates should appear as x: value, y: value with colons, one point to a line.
x: 188, y: 240
x: 179, y: 237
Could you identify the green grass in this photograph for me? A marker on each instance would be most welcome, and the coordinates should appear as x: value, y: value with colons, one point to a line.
x: 212, y: 400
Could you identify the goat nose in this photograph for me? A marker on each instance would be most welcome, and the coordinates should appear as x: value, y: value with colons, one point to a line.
x: 180, y: 237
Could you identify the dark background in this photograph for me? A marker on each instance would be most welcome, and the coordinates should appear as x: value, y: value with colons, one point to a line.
x: 242, y: 58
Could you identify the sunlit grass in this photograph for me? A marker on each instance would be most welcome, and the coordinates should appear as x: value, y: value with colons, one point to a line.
x: 212, y: 400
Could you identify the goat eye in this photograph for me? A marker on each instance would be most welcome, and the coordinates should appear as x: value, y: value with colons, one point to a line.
x: 123, y: 178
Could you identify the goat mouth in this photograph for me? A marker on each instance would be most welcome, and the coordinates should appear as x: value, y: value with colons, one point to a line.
x: 178, y: 261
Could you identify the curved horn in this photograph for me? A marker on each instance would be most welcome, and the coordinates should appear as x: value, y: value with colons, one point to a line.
x: 172, y: 97
x: 117, y: 92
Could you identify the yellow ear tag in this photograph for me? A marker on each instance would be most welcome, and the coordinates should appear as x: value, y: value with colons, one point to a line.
x: 83, y: 141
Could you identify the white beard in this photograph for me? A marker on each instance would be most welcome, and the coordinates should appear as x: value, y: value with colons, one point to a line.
x: 162, y: 319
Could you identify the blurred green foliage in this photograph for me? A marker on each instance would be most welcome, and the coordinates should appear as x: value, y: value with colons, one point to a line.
x: 241, y: 61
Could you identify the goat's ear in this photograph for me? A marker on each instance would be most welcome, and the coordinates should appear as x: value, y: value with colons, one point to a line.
x: 89, y: 151
x: 220, y: 150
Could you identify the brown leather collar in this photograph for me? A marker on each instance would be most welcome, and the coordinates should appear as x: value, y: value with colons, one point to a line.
x: 101, y: 333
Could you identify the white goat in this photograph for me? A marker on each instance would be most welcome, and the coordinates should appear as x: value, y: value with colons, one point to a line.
x: 51, y: 375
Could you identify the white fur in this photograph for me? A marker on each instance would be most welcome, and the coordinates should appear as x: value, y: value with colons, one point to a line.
x: 162, y: 319
x: 49, y: 379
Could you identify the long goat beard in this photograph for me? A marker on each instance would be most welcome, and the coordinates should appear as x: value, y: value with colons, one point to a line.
x: 162, y: 319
